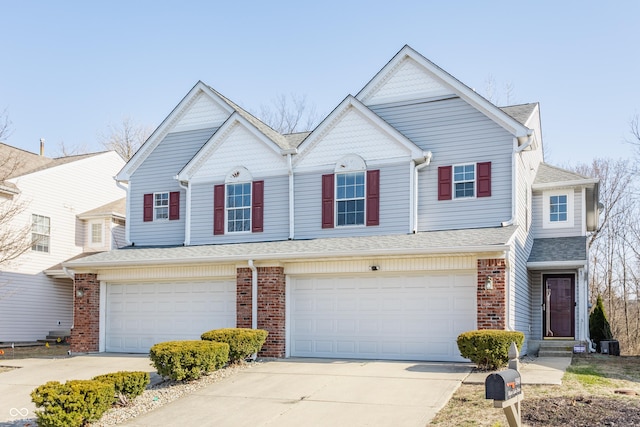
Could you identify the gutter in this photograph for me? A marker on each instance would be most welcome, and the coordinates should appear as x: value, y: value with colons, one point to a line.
x: 560, y: 184
x: 127, y: 222
x: 426, y: 161
x: 254, y: 295
x: 557, y: 264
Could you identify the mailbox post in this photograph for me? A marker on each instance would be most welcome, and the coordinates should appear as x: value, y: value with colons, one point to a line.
x: 505, y: 388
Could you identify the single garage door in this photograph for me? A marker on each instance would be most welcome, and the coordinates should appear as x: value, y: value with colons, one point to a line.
x: 405, y: 317
x: 139, y: 315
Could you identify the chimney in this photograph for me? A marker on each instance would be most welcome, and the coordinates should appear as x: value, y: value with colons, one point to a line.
x: 42, y: 146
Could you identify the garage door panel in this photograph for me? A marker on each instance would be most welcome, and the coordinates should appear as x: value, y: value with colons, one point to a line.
x: 416, y: 317
x: 139, y: 315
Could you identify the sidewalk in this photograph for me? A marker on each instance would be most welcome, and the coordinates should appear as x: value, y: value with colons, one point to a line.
x: 536, y: 370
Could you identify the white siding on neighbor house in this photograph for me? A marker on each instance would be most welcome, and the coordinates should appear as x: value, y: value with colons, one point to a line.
x: 456, y: 133
x: 31, y: 305
x: 118, y: 235
x: 541, y: 232
x: 156, y: 174
x: 394, y: 205
x: 275, y: 215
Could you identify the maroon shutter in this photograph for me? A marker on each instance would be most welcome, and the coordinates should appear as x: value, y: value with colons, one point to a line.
x: 484, y: 179
x: 444, y: 183
x: 174, y: 205
x: 218, y: 209
x: 148, y: 207
x: 373, y: 197
x: 327, y: 200
x: 257, y: 206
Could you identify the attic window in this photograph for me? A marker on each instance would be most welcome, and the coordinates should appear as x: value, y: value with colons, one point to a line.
x: 96, y: 234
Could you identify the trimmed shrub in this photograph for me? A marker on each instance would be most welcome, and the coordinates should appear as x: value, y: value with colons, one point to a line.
x: 599, y: 328
x: 242, y: 342
x: 73, y: 403
x: 488, y: 349
x: 188, y: 360
x: 127, y: 384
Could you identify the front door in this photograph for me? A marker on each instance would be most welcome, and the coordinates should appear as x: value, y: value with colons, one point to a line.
x: 558, y: 305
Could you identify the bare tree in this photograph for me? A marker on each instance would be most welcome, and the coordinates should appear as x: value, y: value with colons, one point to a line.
x: 492, y: 93
x: 289, y: 114
x: 5, y: 125
x: 125, y: 138
x: 14, y: 238
x: 65, y: 151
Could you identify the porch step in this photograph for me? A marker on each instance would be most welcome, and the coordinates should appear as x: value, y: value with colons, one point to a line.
x: 557, y: 348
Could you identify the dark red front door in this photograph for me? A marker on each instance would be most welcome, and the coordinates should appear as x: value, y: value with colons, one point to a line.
x: 558, y: 303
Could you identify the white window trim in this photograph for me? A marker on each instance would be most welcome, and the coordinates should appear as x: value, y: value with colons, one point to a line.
x: 155, y: 218
x: 335, y: 199
x: 546, y: 209
x: 91, y: 243
x: 475, y: 181
x: 226, y: 208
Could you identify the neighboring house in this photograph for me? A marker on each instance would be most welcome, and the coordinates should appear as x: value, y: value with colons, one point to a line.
x: 405, y: 218
x: 66, y: 207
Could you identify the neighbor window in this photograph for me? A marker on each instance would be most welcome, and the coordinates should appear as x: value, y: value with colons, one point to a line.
x: 161, y: 206
x: 557, y: 210
x: 40, y: 233
x: 464, y: 180
x: 96, y: 235
x: 350, y: 198
x: 239, y: 207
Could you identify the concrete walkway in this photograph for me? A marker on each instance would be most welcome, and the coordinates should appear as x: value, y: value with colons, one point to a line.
x: 537, y: 370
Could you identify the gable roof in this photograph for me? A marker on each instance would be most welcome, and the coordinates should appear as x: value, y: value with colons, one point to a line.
x: 116, y: 208
x: 335, y: 116
x: 520, y: 112
x: 559, y: 251
x: 456, y: 86
x: 554, y: 177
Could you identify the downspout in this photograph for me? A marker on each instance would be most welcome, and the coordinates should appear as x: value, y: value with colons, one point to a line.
x: 127, y: 211
x: 254, y: 295
x: 514, y: 183
x: 507, y: 290
x: 187, y: 219
x: 291, y: 201
x: 418, y: 168
x: 71, y: 274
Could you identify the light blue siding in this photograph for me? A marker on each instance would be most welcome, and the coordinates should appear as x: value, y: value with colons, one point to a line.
x: 276, y: 214
x: 456, y: 133
x: 538, y: 213
x: 156, y: 174
x: 394, y: 205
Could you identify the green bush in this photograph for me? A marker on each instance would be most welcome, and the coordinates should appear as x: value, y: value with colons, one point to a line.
x: 242, y: 342
x: 73, y: 403
x: 599, y: 328
x: 188, y: 360
x: 488, y: 349
x: 128, y: 384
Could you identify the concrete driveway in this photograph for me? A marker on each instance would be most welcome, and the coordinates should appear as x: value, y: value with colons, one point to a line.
x: 318, y: 392
x: 290, y: 392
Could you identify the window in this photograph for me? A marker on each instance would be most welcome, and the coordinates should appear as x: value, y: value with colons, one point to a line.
x: 351, y: 195
x: 350, y: 198
x: 40, y: 233
x: 238, y: 204
x: 464, y: 181
x: 162, y: 206
x: 95, y: 234
x: 557, y: 209
x: 239, y: 207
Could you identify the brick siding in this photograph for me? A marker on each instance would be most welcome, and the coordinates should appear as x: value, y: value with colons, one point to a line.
x: 492, y: 302
x: 85, y: 334
x: 271, y: 309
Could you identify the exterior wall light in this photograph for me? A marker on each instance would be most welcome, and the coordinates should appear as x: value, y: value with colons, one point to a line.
x: 488, y: 283
x: 80, y: 292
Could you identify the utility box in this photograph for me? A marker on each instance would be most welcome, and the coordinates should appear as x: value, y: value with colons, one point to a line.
x: 503, y: 385
x: 614, y: 348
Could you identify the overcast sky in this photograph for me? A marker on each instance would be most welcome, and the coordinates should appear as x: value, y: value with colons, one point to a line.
x: 71, y: 68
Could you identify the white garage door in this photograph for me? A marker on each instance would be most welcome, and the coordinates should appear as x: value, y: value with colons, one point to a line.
x: 386, y: 317
x: 142, y: 314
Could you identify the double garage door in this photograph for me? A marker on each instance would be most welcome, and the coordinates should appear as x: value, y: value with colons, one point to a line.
x: 408, y: 317
x: 403, y: 317
x: 139, y: 315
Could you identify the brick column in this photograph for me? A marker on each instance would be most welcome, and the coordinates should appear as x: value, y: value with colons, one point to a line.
x: 492, y: 303
x: 85, y: 334
x: 271, y: 309
x: 243, y: 298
